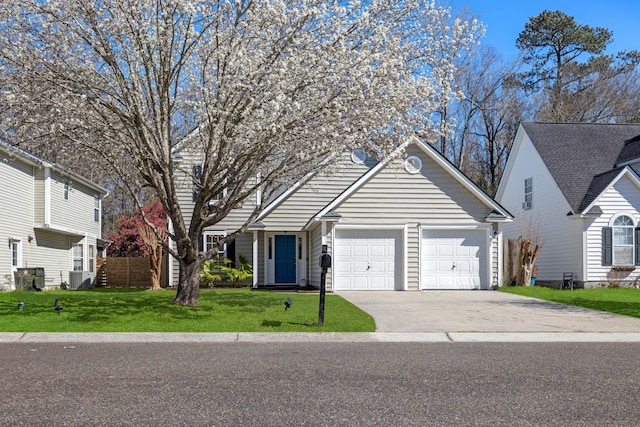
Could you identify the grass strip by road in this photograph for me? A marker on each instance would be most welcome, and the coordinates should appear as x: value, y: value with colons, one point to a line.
x: 624, y: 301
x: 135, y: 310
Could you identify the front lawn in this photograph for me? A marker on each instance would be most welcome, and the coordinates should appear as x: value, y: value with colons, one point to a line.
x: 624, y: 301
x: 135, y: 310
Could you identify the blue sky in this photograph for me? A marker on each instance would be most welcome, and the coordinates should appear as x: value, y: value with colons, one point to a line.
x: 505, y: 19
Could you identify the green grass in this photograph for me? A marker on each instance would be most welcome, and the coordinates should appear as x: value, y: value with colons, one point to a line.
x: 624, y: 301
x: 135, y: 310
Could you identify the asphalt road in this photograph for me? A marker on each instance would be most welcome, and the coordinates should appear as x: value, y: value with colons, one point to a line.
x: 319, y: 384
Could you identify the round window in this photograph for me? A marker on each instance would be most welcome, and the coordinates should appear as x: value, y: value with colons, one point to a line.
x: 413, y: 164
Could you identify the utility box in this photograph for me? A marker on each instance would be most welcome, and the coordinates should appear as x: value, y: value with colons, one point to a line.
x: 30, y: 278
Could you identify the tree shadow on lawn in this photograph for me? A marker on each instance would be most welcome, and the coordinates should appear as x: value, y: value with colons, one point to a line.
x: 112, y: 303
x: 278, y: 323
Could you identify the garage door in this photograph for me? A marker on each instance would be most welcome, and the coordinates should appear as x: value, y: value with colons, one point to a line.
x: 453, y: 259
x: 367, y: 259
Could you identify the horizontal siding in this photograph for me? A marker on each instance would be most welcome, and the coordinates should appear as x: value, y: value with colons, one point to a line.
x: 315, y: 236
x: 623, y: 197
x: 76, y: 212
x: 38, y: 196
x: 561, y: 234
x: 431, y: 197
x: 52, y: 251
x: 294, y: 213
x: 16, y: 211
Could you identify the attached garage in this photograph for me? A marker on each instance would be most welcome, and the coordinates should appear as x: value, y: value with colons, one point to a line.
x: 366, y: 259
x: 454, y: 259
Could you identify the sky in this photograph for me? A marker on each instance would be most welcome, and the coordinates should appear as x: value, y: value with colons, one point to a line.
x: 505, y: 19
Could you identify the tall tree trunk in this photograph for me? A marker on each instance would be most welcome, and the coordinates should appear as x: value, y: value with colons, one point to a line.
x: 155, y: 258
x: 188, y: 283
x: 526, y: 259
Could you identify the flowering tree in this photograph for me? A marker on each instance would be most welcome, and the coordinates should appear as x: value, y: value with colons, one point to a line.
x: 142, y: 234
x: 272, y: 87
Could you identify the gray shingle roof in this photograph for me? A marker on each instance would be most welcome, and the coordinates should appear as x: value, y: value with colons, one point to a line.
x: 578, y: 154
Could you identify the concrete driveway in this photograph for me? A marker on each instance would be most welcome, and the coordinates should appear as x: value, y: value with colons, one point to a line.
x: 480, y: 311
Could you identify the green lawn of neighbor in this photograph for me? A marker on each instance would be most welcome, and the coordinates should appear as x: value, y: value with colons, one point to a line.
x: 136, y: 310
x: 614, y: 300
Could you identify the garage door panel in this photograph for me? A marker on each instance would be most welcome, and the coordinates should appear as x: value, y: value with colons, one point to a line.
x: 370, y: 259
x: 453, y: 259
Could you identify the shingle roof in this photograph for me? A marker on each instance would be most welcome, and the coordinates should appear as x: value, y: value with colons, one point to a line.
x: 578, y: 154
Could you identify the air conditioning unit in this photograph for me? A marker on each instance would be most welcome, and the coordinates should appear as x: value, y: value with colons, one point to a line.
x: 79, y: 279
x: 526, y: 205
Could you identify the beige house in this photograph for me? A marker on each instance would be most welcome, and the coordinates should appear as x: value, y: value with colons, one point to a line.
x: 411, y: 221
x: 50, y: 223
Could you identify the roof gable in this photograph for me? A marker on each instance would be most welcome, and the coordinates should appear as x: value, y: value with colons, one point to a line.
x: 603, y: 181
x: 13, y: 150
x: 579, y: 156
x: 497, y: 212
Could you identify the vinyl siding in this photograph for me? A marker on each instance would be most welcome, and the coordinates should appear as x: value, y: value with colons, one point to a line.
x: 76, y: 212
x: 294, y: 213
x: 315, y: 236
x: 429, y: 198
x: 52, y: 251
x: 38, y: 196
x: 16, y: 212
x: 623, y: 197
x: 561, y: 233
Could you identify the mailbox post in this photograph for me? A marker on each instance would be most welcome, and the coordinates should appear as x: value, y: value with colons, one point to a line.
x: 325, y: 263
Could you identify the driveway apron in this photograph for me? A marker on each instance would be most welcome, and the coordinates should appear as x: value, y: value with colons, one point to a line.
x: 480, y: 311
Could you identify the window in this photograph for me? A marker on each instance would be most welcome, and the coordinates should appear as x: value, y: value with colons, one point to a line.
x: 96, y: 209
x: 78, y: 257
x: 16, y: 253
x: 91, y: 257
x: 211, y: 239
x: 67, y: 187
x: 623, y: 241
x: 528, y: 194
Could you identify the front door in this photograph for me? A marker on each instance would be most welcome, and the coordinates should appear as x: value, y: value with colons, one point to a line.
x: 285, y: 265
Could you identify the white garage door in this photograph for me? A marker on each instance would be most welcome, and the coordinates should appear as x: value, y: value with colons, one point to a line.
x: 453, y: 259
x: 367, y: 260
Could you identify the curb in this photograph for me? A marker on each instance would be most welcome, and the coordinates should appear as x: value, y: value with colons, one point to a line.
x: 310, y: 337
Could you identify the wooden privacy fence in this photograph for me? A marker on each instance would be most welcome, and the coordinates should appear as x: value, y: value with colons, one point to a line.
x: 128, y: 272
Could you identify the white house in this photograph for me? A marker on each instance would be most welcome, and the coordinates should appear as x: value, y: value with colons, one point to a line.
x: 578, y: 184
x: 50, y: 222
x: 409, y: 222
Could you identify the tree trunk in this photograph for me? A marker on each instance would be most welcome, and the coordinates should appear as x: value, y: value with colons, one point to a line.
x: 155, y: 258
x: 526, y: 259
x: 188, y: 283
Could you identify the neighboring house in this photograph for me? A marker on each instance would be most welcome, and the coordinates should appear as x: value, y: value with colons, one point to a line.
x: 578, y: 185
x: 50, y: 220
x: 412, y: 221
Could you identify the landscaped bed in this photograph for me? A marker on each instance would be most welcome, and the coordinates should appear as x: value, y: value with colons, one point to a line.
x: 139, y: 310
x: 614, y: 300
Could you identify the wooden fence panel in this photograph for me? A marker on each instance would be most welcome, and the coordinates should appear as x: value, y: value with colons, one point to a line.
x: 510, y: 261
x: 127, y: 272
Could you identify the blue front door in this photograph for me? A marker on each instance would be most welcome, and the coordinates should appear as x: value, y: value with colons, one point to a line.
x: 285, y: 259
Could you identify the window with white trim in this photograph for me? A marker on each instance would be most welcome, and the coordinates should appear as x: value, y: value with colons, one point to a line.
x: 210, y: 240
x: 91, y: 257
x: 96, y: 209
x: 16, y: 253
x: 78, y: 256
x: 67, y: 187
x: 528, y: 194
x: 623, y: 230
